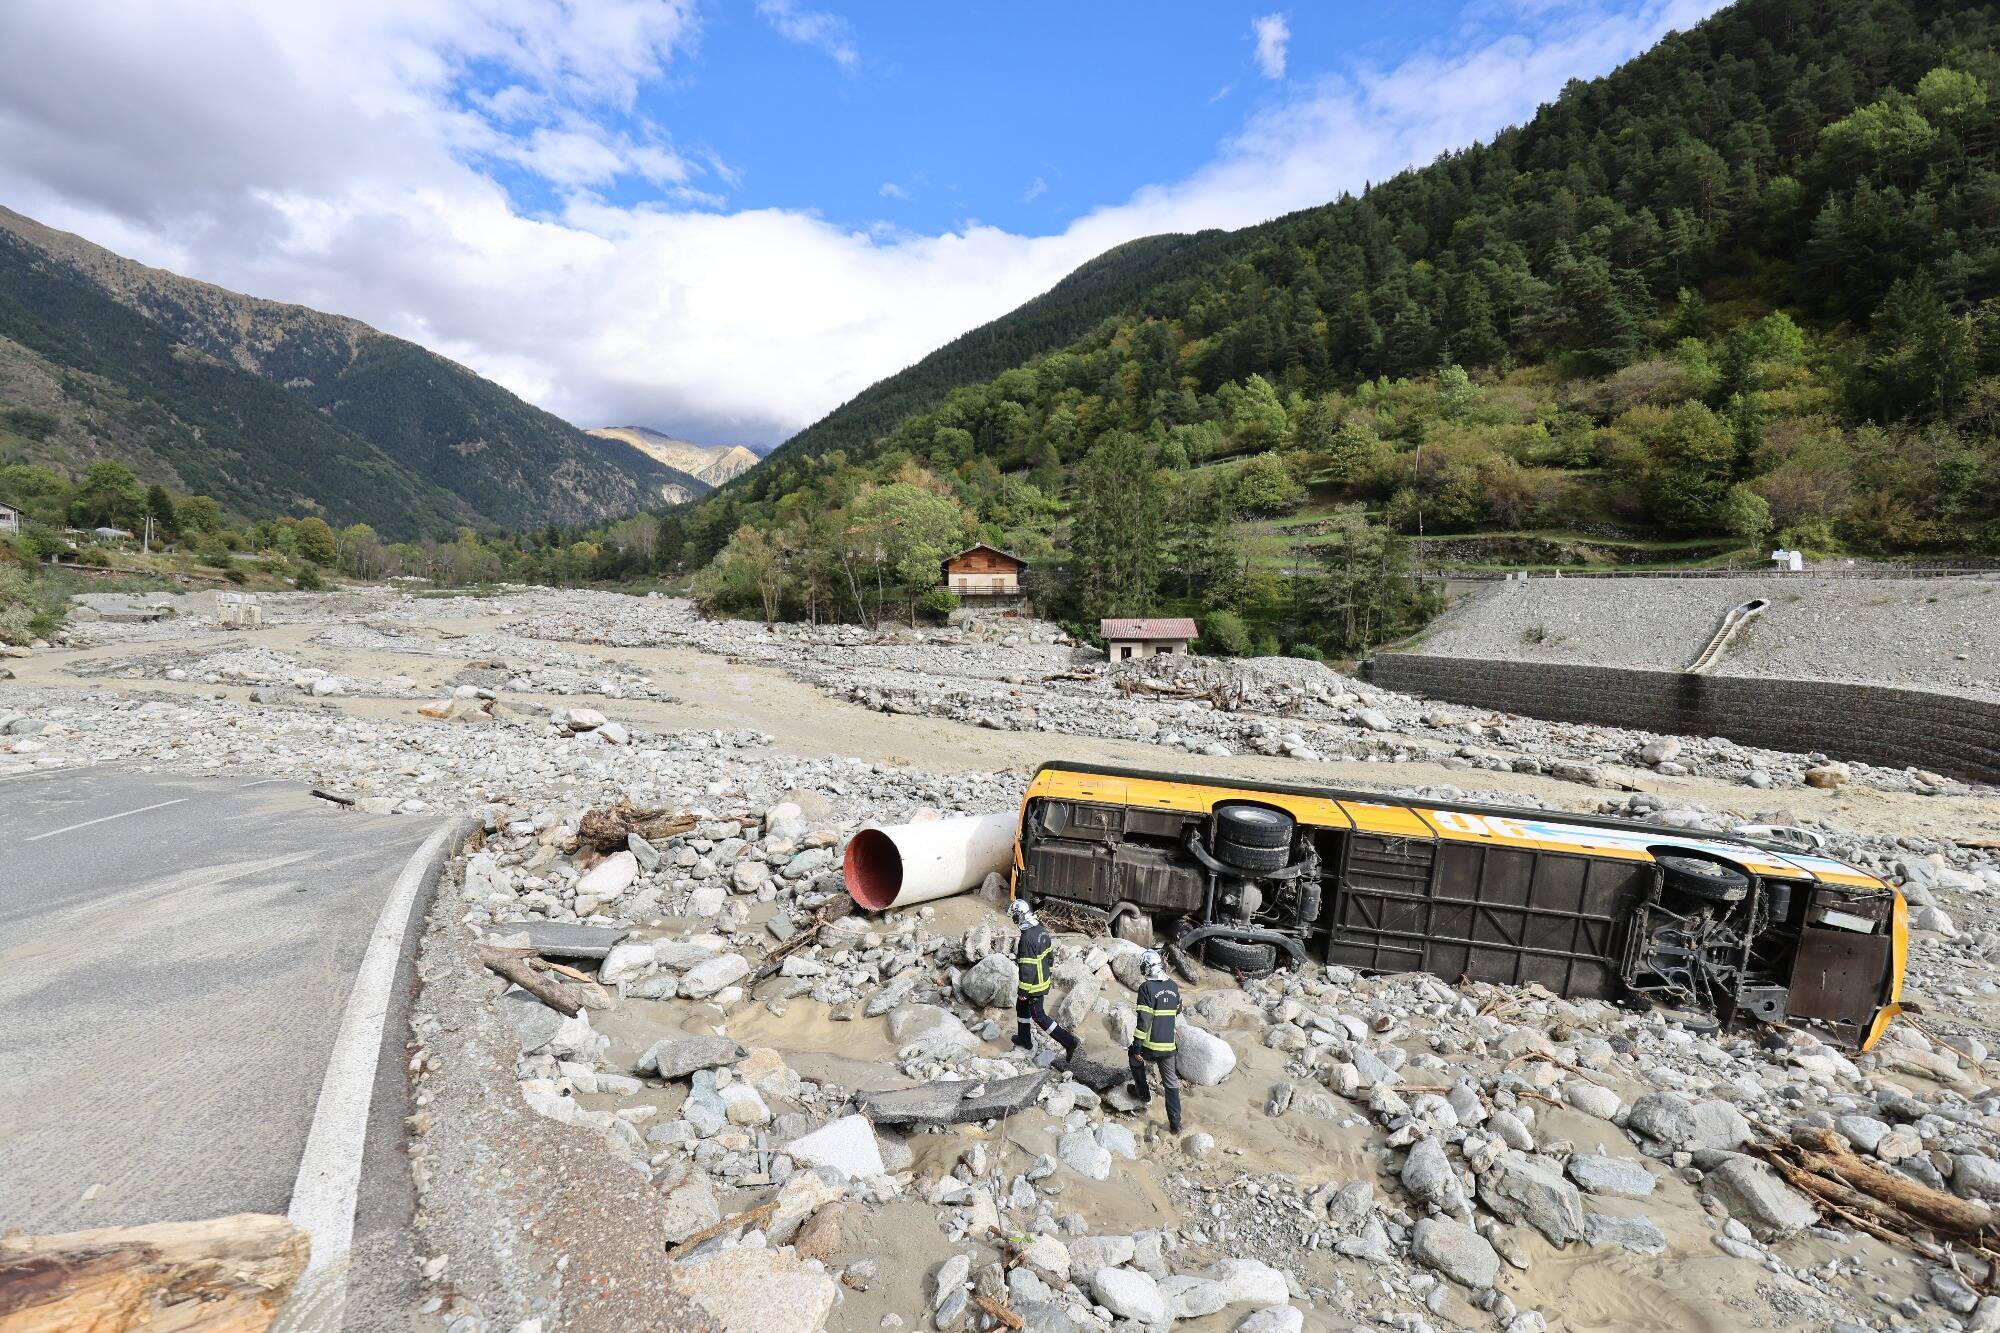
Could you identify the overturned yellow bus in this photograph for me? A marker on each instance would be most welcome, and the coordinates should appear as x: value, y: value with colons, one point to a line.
x: 1249, y: 875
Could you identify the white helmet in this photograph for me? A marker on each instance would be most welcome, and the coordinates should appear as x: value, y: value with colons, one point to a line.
x: 1022, y: 913
x: 1150, y: 964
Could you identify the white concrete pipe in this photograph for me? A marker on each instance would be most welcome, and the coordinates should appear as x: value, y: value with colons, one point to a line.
x: 902, y: 864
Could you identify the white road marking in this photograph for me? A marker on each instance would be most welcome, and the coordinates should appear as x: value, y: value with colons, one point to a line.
x: 48, y: 773
x: 329, y: 1178
x: 127, y: 814
x: 261, y: 782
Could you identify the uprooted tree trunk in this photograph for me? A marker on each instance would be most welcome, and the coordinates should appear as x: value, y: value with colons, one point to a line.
x: 221, y: 1275
x: 1949, y: 1215
x: 606, y: 829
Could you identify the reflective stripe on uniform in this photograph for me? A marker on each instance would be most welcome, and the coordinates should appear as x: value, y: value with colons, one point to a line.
x: 1144, y: 1031
x: 1040, y: 964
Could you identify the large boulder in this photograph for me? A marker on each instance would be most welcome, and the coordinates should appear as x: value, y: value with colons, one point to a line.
x: 1525, y: 1189
x: 1457, y: 1251
x: 1671, y: 1120
x: 1758, y: 1197
x: 625, y: 962
x: 705, y: 979
x: 1130, y: 1294
x: 1203, y: 1058
x: 609, y: 877
x: 989, y: 983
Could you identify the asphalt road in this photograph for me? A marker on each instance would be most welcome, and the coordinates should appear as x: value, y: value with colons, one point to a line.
x: 176, y: 955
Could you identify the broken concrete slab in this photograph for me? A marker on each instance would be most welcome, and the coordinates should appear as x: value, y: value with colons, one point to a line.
x: 1097, y: 1075
x: 936, y: 1104
x: 561, y: 939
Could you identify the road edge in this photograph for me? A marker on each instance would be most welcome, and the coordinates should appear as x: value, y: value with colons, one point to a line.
x: 327, y: 1188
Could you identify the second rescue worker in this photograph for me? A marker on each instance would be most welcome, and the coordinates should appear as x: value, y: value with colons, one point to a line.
x: 1155, y: 1039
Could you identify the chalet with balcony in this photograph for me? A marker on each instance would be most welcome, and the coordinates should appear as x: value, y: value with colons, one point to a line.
x: 982, y: 571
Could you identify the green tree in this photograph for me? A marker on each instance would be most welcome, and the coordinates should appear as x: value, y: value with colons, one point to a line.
x: 1920, y: 357
x: 1115, y: 528
x: 1265, y: 485
x: 199, y: 514
x: 1361, y: 591
x: 1692, y: 458
x: 160, y: 506
x: 313, y: 540
x: 108, y: 497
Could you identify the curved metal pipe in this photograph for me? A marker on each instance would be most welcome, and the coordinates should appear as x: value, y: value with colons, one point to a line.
x: 898, y: 865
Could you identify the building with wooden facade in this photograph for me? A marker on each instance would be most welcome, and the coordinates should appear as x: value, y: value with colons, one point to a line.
x: 984, y: 571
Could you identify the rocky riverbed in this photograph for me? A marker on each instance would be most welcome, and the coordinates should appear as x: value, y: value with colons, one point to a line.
x: 1392, y: 1152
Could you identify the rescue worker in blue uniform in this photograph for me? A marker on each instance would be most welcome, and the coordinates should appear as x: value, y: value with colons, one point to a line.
x: 1032, y: 956
x: 1155, y: 1039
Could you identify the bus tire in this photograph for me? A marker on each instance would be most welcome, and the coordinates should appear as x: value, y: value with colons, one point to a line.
x: 1255, y: 860
x: 1248, y: 825
x: 1238, y: 956
x: 1700, y: 877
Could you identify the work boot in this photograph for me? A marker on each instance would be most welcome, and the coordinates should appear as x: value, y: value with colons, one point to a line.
x: 1067, y: 1040
x: 1143, y: 1096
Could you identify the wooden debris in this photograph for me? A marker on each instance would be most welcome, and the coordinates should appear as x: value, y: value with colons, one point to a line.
x: 1948, y: 1214
x: 329, y: 796
x: 728, y: 1224
x: 606, y: 829
x: 775, y: 959
x: 520, y: 966
x: 220, y: 1275
x: 1007, y: 1318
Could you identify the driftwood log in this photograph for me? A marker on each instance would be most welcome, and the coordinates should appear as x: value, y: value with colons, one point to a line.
x: 221, y: 1275
x: 522, y: 967
x: 606, y: 829
x: 775, y: 959
x: 1827, y: 1154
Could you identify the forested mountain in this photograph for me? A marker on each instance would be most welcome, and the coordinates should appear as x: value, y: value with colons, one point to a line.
x: 1102, y: 287
x: 1742, y: 286
x: 275, y: 408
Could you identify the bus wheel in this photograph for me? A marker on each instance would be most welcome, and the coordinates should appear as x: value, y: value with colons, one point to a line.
x: 1237, y: 956
x: 1699, y: 877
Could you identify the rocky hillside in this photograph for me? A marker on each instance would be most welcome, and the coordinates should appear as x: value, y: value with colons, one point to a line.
x: 711, y: 463
x: 276, y: 408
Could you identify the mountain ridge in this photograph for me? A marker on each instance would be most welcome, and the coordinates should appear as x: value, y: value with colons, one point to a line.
x: 501, y: 460
x: 710, y: 463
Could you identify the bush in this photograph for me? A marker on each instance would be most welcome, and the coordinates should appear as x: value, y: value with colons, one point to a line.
x: 94, y: 556
x: 234, y: 575
x: 1224, y: 634
x: 307, y: 578
x: 937, y: 603
x: 1307, y: 652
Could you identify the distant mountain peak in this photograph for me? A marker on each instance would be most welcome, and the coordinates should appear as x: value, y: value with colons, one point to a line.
x: 712, y: 463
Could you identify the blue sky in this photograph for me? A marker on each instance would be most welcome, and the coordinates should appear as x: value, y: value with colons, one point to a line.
x: 723, y: 218
x: 1022, y: 116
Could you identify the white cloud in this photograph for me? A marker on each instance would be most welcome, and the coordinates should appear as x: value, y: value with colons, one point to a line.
x: 1036, y: 189
x: 891, y: 190
x: 1273, y: 35
x: 812, y: 27
x: 331, y: 153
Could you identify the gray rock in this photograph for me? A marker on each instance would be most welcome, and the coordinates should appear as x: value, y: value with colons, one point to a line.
x: 1203, y: 1058
x: 989, y: 983
x: 1863, y: 1131
x: 1975, y: 1176
x: 1273, y: 1319
x: 1627, y: 1233
x: 1193, y: 1297
x: 679, y: 1056
x: 950, y: 1279
x: 705, y: 979
x: 1619, y: 1177
x: 1082, y: 1153
x: 1525, y: 1189
x: 1457, y: 1251
x: 1428, y: 1173
x: 1130, y: 1294
x: 1673, y: 1121
x: 1755, y: 1195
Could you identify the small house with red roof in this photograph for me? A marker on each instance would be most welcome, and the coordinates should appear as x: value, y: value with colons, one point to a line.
x: 1156, y: 636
